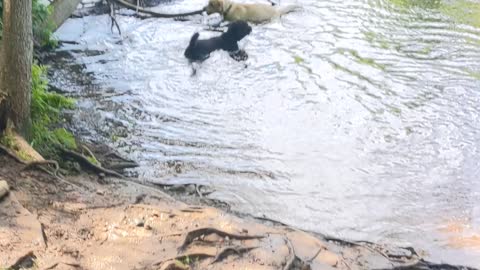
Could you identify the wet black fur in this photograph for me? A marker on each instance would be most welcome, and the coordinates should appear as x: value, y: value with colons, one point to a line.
x: 199, y: 50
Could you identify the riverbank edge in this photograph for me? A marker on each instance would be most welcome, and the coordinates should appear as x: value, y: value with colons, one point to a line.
x: 94, y: 222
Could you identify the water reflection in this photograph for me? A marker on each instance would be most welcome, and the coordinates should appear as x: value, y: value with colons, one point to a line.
x: 352, y: 118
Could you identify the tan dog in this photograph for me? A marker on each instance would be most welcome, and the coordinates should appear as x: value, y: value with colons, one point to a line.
x: 255, y: 13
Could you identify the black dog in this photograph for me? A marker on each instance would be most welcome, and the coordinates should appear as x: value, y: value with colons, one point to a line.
x: 199, y: 50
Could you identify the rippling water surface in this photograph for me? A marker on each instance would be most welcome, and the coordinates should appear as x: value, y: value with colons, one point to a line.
x: 357, y: 119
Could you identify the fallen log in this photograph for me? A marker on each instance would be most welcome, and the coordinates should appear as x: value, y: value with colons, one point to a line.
x: 153, y: 13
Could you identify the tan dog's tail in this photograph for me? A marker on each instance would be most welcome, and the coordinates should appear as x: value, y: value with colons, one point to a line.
x: 287, y: 9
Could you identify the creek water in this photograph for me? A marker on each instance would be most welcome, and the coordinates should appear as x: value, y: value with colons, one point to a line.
x: 357, y: 119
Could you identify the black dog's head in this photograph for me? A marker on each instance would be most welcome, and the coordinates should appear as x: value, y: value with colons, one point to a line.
x: 238, y: 30
x: 189, y: 52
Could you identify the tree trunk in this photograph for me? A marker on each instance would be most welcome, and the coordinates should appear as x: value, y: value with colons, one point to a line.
x: 17, y: 50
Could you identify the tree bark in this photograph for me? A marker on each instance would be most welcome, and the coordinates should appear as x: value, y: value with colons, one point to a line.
x: 17, y: 57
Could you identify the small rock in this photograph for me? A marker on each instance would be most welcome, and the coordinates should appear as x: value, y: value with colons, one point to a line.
x: 100, y: 192
x: 3, y: 189
x: 139, y: 222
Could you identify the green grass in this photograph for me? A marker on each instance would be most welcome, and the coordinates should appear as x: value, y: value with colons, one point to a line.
x: 45, y: 132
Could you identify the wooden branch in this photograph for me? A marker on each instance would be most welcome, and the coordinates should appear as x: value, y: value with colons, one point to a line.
x: 153, y: 13
x: 92, y: 166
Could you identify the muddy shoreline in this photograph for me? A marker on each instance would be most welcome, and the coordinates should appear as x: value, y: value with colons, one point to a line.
x: 94, y: 222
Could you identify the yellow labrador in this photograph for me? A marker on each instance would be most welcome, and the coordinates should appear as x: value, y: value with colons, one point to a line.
x: 255, y: 13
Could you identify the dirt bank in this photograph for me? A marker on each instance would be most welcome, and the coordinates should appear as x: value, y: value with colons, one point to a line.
x: 88, y: 222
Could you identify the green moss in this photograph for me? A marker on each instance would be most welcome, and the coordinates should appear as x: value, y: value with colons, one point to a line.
x: 298, y: 59
x: 45, y: 114
x: 375, y: 38
x: 23, y: 155
x: 473, y: 74
x: 93, y: 160
x: 362, y: 60
x: 427, y: 4
x: 181, y: 265
x: 462, y: 11
x: 426, y: 50
x: 8, y: 141
x: 114, y: 138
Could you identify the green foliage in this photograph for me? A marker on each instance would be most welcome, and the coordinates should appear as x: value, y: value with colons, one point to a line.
x: 43, y: 27
x: 46, y: 108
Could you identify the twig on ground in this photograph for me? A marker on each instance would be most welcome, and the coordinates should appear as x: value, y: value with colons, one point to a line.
x: 226, y: 251
x: 192, y: 235
x: 44, y: 235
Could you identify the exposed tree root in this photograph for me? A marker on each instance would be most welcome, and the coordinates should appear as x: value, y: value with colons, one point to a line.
x: 183, y: 257
x: 226, y: 251
x: 122, y: 165
x: 341, y: 241
x: 192, y: 235
x: 38, y: 164
x: 315, y: 255
x: 153, y: 13
x: 293, y: 256
x: 90, y: 153
x: 276, y: 222
x: 81, y: 158
x: 12, y: 154
x: 33, y: 164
